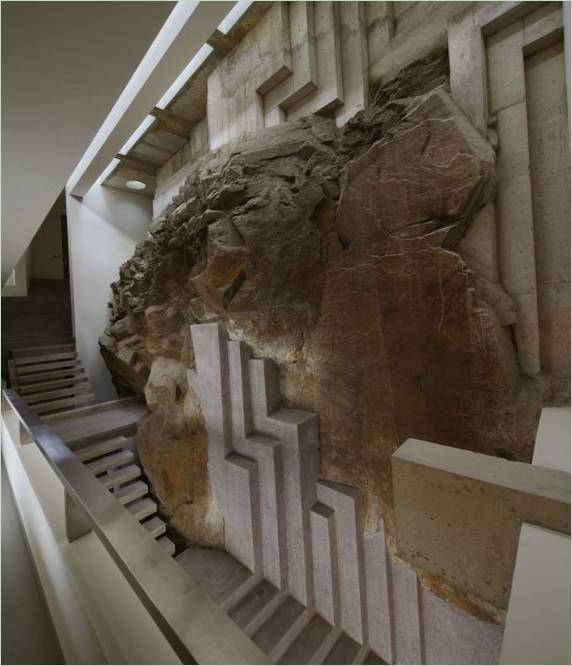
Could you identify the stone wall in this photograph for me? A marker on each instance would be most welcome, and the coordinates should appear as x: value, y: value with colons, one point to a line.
x: 368, y: 254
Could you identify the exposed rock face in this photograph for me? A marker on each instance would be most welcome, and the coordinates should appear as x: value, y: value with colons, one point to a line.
x: 332, y: 252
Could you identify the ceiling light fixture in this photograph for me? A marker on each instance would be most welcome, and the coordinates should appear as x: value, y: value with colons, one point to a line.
x: 135, y: 185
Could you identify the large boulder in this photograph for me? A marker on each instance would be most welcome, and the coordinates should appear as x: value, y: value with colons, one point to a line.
x: 334, y: 253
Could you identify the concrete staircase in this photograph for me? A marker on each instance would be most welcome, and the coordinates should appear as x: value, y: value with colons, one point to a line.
x: 298, y: 575
x: 51, y: 379
x: 101, y: 436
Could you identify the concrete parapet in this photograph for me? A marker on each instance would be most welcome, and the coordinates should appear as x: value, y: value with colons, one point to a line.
x: 458, y: 513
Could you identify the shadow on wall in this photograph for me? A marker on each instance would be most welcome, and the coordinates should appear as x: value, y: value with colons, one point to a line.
x: 103, y: 228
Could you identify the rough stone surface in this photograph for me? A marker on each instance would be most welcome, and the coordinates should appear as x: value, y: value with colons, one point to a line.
x: 331, y: 251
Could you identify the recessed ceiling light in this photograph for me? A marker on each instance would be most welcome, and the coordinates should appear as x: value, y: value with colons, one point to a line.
x: 135, y: 185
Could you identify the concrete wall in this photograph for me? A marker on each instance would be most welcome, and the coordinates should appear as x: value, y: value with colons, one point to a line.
x: 303, y: 58
x: 47, y: 249
x: 103, y: 230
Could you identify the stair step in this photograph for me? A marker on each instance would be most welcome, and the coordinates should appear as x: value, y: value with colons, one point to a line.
x: 56, y: 374
x: 217, y: 571
x: 155, y: 526
x: 45, y: 407
x: 110, y: 462
x: 131, y: 492
x: 282, y: 627
x: 143, y: 508
x: 80, y: 380
x: 167, y: 545
x: 312, y: 643
x: 93, y: 451
x: 57, y: 393
x: 57, y: 365
x: 47, y: 349
x: 345, y: 651
x: 123, y: 475
x: 372, y: 658
x: 44, y: 358
x: 252, y: 611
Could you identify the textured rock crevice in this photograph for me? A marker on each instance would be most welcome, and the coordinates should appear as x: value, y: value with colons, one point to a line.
x: 332, y: 252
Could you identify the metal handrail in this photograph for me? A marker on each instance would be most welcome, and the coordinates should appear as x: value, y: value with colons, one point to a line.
x: 196, y: 628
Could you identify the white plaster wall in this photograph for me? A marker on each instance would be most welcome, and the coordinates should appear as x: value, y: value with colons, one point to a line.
x: 63, y: 66
x: 103, y: 230
x: 47, y: 250
x: 21, y: 277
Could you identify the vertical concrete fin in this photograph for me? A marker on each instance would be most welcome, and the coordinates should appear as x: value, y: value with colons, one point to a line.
x: 242, y: 536
x: 408, y: 623
x: 325, y: 563
x: 346, y: 504
x: 379, y: 595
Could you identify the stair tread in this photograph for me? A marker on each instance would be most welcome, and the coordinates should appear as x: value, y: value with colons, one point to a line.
x: 345, y: 650
x: 308, y: 641
x: 61, y: 356
x: 131, y: 492
x: 167, y: 544
x: 44, y: 407
x: 373, y: 658
x: 110, y: 461
x: 101, y: 448
x: 217, y: 571
x: 81, y: 428
x: 122, y: 475
x: 56, y: 365
x: 68, y: 391
x: 74, y: 381
x: 253, y: 603
x: 155, y: 526
x: 76, y: 371
x: 277, y: 624
x: 143, y: 508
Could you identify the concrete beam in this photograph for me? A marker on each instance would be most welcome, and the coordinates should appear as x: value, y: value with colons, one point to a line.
x: 189, y: 26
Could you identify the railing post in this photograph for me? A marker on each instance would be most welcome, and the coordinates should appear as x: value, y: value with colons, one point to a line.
x: 77, y: 524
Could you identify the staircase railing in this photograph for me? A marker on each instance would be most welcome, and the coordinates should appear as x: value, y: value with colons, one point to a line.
x: 193, y: 624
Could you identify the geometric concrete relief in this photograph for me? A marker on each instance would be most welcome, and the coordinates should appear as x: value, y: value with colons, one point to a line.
x: 508, y: 76
x: 344, y: 597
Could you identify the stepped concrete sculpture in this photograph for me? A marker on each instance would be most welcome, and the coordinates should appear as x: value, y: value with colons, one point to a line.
x: 317, y: 590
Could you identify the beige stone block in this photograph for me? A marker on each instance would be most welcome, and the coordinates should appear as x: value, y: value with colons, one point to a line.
x: 378, y: 11
x: 478, y: 247
x: 329, y: 94
x: 554, y: 321
x: 505, y: 67
x: 541, y: 23
x: 458, y: 513
x: 527, y: 333
x: 354, y: 61
x: 304, y: 78
x: 467, y: 65
x: 516, y: 236
x: 513, y: 155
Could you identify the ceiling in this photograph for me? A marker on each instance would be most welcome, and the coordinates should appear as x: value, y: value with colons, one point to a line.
x: 169, y: 128
x: 64, y: 64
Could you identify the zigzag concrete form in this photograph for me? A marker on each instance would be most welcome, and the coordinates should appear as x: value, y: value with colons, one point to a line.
x: 308, y: 587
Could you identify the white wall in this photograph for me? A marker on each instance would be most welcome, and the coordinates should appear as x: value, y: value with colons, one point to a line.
x: 103, y: 230
x: 47, y: 250
x: 19, y: 287
x: 64, y: 64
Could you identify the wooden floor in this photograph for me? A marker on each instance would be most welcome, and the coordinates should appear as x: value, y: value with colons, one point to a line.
x: 41, y: 318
